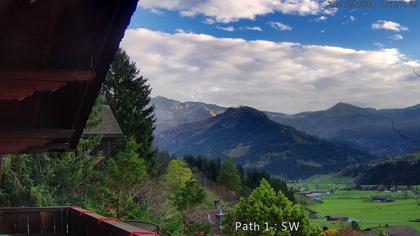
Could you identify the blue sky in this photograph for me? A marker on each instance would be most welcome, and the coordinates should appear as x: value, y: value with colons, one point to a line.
x: 280, y: 55
x: 337, y: 30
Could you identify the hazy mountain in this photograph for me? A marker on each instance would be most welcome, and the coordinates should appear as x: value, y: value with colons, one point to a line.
x: 253, y: 140
x: 367, y: 129
x: 171, y: 113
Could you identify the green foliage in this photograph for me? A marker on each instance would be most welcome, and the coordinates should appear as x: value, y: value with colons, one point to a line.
x: 173, y: 226
x: 47, y: 179
x: 251, y: 178
x: 128, y: 95
x: 229, y: 176
x: 177, y: 174
x: 162, y: 162
x: 389, y: 173
x: 94, y: 118
x: 266, y: 205
x: 207, y: 166
x: 76, y: 179
x: 188, y: 196
x: 126, y: 171
x: 23, y: 181
x: 381, y: 231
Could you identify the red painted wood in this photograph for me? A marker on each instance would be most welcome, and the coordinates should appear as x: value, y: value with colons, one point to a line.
x: 20, y: 145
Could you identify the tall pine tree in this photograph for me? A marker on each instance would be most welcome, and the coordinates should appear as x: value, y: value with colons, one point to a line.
x: 229, y: 176
x: 128, y: 95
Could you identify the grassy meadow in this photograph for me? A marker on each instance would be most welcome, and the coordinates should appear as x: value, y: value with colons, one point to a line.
x: 369, y: 214
x: 356, y: 204
x: 324, y: 182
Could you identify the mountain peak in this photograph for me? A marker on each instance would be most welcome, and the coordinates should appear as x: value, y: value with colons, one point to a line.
x: 161, y: 98
x: 342, y: 107
x: 244, y: 111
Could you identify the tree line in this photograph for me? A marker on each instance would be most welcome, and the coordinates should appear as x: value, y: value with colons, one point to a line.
x: 235, y: 177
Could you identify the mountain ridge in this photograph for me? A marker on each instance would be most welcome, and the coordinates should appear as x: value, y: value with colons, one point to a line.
x: 253, y: 140
x: 368, y: 129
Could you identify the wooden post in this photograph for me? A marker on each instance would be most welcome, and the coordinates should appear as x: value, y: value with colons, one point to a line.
x: 1, y: 165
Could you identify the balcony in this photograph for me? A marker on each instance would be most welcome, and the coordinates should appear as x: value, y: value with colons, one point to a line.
x: 71, y: 221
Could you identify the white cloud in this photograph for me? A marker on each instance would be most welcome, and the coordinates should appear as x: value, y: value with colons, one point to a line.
x: 388, y: 25
x: 352, y: 18
x: 227, y: 28
x: 396, y: 37
x: 157, y: 12
x: 209, y: 21
x: 180, y: 31
x: 253, y: 28
x: 279, y: 26
x: 279, y: 76
x: 230, y: 11
x: 321, y: 18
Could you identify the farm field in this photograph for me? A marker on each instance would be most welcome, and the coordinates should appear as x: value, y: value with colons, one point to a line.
x: 324, y: 182
x: 369, y: 214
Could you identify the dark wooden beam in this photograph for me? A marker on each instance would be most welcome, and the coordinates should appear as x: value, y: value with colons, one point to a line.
x: 51, y: 28
x: 47, y: 75
x: 36, y: 133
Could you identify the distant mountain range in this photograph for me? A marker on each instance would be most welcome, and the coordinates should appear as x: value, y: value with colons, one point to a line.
x: 253, y: 140
x: 379, y: 132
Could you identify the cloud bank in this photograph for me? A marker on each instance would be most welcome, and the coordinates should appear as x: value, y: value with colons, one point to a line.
x: 285, y: 77
x: 230, y: 11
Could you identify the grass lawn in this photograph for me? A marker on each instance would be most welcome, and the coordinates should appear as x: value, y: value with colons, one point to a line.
x: 369, y: 214
x: 367, y: 194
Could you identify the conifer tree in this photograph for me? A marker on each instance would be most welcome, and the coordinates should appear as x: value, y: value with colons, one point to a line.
x: 229, y: 176
x: 129, y: 95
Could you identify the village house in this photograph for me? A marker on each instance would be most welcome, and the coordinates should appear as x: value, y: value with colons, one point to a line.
x: 314, y: 195
x: 337, y: 218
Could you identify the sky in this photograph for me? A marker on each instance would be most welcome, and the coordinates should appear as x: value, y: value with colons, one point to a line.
x: 278, y: 55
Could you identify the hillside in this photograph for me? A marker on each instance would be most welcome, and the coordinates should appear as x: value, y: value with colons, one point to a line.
x: 398, y: 170
x: 253, y: 140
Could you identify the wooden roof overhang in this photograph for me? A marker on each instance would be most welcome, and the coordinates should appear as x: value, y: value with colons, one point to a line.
x: 54, y: 55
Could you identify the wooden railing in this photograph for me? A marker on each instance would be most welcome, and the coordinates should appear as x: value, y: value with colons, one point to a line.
x: 63, y: 221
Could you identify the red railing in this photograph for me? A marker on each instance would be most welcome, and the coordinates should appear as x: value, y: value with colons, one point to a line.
x: 60, y: 221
